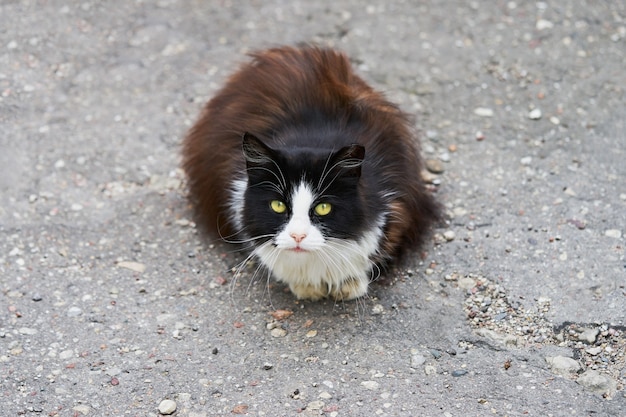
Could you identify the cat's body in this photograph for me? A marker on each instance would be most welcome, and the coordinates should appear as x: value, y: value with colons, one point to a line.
x: 299, y: 157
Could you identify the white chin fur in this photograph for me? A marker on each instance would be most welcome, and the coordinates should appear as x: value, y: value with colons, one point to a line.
x: 338, y: 268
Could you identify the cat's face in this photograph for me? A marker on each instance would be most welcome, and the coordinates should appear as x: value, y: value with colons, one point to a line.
x: 299, y: 200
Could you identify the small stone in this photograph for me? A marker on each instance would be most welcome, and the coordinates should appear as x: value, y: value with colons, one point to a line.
x: 66, y: 354
x: 27, y: 331
x: 417, y: 360
x: 449, y: 235
x: 377, y: 310
x: 535, y: 114
x: 543, y: 24
x: 459, y: 372
x: 82, y: 409
x: 36, y: 297
x: 315, y: 405
x: 555, y: 120
x: 113, y: 371
x: 133, y: 266
x: 483, y: 112
x: 278, y: 332
x: 614, y: 233
x: 371, y: 385
x: 589, y: 335
x: 436, y: 354
x: 430, y: 370
x: 325, y: 395
x: 596, y: 382
x: 499, y: 316
x: 594, y: 351
x: 467, y: 283
x: 281, y: 315
x: 311, y: 333
x: 527, y: 160
x: 167, y: 407
x: 562, y: 365
x: 267, y: 366
x: 434, y: 165
x: 74, y: 312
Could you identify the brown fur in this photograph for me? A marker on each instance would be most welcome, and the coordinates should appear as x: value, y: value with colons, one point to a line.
x: 265, y: 95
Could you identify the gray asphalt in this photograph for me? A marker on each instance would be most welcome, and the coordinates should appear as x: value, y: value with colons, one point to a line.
x: 111, y: 302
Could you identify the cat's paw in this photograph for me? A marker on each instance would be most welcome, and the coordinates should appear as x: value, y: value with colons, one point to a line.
x: 308, y: 292
x: 350, y: 289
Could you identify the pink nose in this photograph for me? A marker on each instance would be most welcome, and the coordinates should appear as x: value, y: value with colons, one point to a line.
x: 298, y: 237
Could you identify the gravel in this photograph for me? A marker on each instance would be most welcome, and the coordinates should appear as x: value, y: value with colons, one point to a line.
x: 489, y: 309
x: 167, y: 407
x: 95, y: 223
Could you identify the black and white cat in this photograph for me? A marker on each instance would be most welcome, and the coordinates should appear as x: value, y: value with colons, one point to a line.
x: 299, y: 157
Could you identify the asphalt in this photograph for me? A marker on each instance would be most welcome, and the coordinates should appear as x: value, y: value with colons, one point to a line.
x: 111, y: 301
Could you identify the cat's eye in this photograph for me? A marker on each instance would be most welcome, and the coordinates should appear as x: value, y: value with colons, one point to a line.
x: 278, y: 206
x: 322, y: 209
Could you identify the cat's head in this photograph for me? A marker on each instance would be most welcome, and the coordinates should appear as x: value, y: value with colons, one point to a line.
x: 299, y: 198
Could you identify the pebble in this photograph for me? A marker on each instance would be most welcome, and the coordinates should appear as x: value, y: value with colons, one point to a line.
x: 459, y: 372
x: 614, y: 233
x: 325, y: 395
x: 66, y: 354
x: 371, y: 385
x: 535, y: 114
x: 430, y: 370
x: 74, y: 312
x: 167, y: 407
x: 378, y: 309
x: 36, y: 297
x: 133, y: 266
x: 594, y: 350
x: 597, y: 382
x: 467, y: 283
x: 445, y: 157
x: 436, y: 354
x: 449, y: 235
x: 588, y: 335
x: 527, y: 160
x: 483, y: 112
x: 544, y: 24
x: 434, y: 165
x: 278, y: 332
x: 417, y: 360
x: 315, y: 405
x: 82, y: 409
x: 562, y: 365
x: 27, y: 331
x: 555, y: 120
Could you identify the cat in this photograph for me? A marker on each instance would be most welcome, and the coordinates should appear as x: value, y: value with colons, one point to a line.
x: 300, y: 158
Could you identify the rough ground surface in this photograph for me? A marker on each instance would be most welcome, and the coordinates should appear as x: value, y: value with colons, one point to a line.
x: 112, y: 303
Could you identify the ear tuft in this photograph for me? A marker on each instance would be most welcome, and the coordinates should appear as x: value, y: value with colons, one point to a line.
x: 349, y: 159
x: 255, y: 151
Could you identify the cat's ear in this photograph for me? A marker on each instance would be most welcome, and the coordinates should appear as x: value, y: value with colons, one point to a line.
x: 349, y: 160
x: 256, y: 152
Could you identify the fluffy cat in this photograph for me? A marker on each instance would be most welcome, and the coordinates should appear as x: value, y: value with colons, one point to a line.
x: 298, y: 157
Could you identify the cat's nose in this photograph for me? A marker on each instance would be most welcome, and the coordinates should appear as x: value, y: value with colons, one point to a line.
x: 298, y: 237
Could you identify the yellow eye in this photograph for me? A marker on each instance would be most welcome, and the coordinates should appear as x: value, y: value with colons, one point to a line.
x: 322, y: 209
x: 278, y: 206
